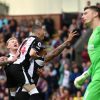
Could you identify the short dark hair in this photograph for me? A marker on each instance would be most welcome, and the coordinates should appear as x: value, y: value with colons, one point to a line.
x: 36, y: 27
x: 95, y: 8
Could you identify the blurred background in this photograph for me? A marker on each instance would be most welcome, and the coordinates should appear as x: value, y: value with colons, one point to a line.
x: 59, y: 17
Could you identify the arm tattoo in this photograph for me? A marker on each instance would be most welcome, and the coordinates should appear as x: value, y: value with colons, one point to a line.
x: 57, y: 51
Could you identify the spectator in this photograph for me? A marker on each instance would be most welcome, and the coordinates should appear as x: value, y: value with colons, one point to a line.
x: 64, y: 33
x: 65, y: 82
x: 49, y: 24
x: 3, y: 49
x: 12, y: 25
x: 98, y: 5
x: 64, y: 94
x: 88, y: 3
x: 75, y: 73
x: 17, y: 33
x: 84, y: 54
x: 73, y: 25
x: 78, y: 96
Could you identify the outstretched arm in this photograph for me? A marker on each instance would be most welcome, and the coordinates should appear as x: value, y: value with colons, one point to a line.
x: 56, y: 51
x: 3, y: 61
x: 60, y: 48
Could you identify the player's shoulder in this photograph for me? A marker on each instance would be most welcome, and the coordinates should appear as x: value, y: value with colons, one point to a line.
x: 97, y: 29
x: 37, y: 40
x: 31, y: 39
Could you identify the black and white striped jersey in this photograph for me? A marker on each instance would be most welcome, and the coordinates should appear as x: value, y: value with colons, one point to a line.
x: 12, y: 71
x: 34, y: 65
x: 27, y: 44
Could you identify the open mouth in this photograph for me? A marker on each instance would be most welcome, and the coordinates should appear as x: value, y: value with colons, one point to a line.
x: 15, y: 45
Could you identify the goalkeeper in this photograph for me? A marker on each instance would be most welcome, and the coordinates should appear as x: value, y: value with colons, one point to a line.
x: 91, y: 16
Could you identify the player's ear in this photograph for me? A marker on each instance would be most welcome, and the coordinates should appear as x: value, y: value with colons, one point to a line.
x: 95, y: 14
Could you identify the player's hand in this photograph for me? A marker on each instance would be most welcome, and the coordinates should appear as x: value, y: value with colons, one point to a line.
x: 3, y: 61
x: 79, y: 81
x: 72, y: 36
x: 3, y: 58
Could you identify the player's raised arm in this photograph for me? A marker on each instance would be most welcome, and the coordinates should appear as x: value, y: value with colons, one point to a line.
x: 59, y: 49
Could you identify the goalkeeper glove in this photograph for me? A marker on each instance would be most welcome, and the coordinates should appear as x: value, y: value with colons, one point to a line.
x: 79, y: 81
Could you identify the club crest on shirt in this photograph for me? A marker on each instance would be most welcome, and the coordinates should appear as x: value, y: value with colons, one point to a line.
x: 91, y: 47
x: 39, y: 44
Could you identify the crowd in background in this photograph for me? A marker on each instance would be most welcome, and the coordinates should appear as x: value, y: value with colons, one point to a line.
x: 58, y: 82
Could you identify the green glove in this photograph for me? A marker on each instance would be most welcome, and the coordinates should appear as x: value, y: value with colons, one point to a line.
x: 79, y: 81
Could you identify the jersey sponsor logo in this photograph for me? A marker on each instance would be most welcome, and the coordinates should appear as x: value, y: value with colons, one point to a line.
x: 23, y: 49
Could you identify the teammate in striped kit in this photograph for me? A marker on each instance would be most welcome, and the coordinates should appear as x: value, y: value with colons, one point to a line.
x: 17, y: 68
x: 12, y: 45
x: 32, y: 44
x: 38, y: 63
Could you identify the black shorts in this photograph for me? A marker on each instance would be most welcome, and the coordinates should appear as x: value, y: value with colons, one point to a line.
x: 37, y: 96
x: 16, y: 76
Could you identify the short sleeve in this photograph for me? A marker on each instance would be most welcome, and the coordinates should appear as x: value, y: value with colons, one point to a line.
x: 37, y: 45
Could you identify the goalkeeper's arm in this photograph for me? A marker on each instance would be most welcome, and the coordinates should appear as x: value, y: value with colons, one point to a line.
x: 79, y: 81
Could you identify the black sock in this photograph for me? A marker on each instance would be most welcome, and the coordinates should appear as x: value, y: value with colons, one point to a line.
x: 22, y: 96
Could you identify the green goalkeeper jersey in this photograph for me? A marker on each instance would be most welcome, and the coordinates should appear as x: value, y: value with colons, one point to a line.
x: 94, y: 53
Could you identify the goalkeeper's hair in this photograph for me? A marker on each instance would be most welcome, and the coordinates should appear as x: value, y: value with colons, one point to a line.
x: 94, y: 8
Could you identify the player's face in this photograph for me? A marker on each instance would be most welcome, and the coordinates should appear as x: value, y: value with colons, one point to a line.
x: 13, y: 44
x: 88, y: 16
x: 41, y: 33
